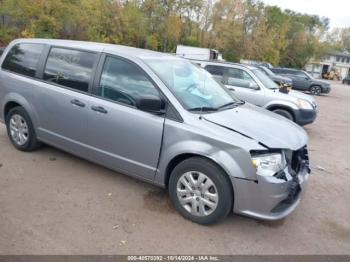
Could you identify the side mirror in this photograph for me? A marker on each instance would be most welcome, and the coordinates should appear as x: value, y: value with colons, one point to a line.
x: 307, y: 78
x: 149, y: 103
x: 253, y: 85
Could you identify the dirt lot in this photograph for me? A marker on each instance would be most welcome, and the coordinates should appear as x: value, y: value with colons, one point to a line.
x: 54, y: 203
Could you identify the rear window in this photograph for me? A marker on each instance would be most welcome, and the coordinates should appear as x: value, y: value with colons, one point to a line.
x: 277, y: 71
x: 215, y: 70
x: 70, y: 68
x: 23, y: 59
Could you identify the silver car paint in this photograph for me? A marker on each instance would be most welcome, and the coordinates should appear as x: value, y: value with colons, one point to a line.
x: 263, y: 97
x: 225, y: 137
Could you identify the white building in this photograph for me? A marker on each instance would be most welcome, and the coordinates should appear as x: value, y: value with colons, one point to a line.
x: 337, y: 62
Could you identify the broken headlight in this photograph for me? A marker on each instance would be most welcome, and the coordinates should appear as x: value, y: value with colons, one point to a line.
x: 268, y: 164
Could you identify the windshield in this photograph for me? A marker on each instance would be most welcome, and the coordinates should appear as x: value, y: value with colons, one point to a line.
x: 193, y: 86
x: 267, y: 71
x: 267, y: 81
x: 306, y: 73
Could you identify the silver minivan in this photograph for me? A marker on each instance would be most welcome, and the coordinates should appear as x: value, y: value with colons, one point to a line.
x: 250, y: 84
x: 158, y: 118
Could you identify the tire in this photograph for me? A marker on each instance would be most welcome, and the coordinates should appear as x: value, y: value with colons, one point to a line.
x: 215, y: 190
x: 316, y: 90
x: 24, y: 139
x: 284, y: 113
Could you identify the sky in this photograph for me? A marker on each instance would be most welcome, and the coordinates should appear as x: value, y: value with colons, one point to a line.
x: 338, y: 11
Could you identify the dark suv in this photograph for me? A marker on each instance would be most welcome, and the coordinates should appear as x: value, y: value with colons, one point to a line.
x: 303, y: 81
x: 346, y: 80
x: 280, y: 80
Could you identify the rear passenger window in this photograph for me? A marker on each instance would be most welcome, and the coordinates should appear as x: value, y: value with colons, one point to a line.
x: 216, y: 71
x: 23, y: 59
x: 70, y: 68
x: 124, y: 82
x: 278, y: 71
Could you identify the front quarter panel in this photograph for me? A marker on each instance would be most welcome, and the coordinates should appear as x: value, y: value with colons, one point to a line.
x: 231, y: 155
x: 282, y: 103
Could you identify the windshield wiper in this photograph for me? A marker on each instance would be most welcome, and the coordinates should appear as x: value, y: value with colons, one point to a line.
x: 204, y: 109
x: 232, y: 104
x: 213, y: 109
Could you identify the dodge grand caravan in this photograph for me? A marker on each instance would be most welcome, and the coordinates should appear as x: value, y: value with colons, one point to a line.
x: 250, y: 84
x: 158, y: 118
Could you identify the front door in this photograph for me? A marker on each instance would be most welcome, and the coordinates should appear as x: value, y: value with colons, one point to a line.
x: 300, y: 80
x: 244, y: 86
x: 121, y: 136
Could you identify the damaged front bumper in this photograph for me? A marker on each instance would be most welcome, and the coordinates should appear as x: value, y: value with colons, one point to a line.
x: 275, y: 197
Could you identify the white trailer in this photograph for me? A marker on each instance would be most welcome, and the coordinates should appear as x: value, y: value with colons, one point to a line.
x: 198, y: 53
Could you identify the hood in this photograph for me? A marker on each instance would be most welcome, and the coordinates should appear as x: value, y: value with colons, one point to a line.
x: 292, y: 96
x: 321, y: 82
x: 270, y: 129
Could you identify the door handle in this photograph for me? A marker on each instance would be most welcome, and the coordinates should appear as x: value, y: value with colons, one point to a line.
x: 77, y: 103
x: 231, y: 89
x: 99, y: 109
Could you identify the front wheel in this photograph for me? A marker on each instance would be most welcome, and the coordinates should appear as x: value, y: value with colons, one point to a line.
x: 316, y: 90
x: 201, y: 191
x: 284, y: 113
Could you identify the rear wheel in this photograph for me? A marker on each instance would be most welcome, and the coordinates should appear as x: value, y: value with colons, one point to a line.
x: 201, y: 191
x: 20, y: 130
x: 284, y: 113
x: 316, y: 90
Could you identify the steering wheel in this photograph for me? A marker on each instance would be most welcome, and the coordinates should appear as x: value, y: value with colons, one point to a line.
x: 127, y: 99
x: 119, y: 96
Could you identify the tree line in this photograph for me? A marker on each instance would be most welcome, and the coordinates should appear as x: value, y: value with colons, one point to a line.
x: 245, y: 29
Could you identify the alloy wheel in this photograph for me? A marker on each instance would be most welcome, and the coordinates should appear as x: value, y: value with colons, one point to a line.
x: 315, y: 90
x: 19, y: 129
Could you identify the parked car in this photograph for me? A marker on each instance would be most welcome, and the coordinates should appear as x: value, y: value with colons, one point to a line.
x: 280, y: 80
x: 158, y: 118
x: 346, y: 80
x: 303, y: 81
x: 250, y: 84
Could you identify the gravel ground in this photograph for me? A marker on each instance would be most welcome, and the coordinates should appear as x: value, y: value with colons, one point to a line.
x: 54, y: 203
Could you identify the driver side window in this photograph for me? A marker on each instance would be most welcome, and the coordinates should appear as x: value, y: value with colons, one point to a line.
x: 124, y: 82
x: 238, y: 77
x: 301, y: 74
